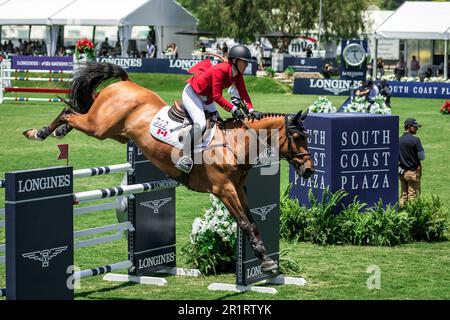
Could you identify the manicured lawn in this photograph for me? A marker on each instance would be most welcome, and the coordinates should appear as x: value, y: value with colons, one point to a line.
x: 413, y: 271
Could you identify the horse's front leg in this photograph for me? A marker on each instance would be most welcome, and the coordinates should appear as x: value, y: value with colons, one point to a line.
x: 230, y: 198
x: 268, y: 264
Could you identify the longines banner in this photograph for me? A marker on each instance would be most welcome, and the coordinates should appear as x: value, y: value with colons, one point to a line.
x: 42, y: 63
x: 399, y: 89
x: 178, y: 66
x: 355, y: 152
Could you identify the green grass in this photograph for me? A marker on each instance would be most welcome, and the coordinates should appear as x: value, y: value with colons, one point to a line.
x: 414, y: 271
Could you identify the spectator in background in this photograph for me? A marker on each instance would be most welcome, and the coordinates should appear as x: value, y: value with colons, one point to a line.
x: 410, y: 168
x: 309, y: 52
x: 61, y: 52
x: 175, y: 50
x: 373, y: 92
x: 258, y: 54
x: 370, y: 68
x: 21, y: 47
x: 327, y: 71
x: 225, y: 49
x: 400, y: 68
x: 385, y: 91
x: 218, y: 49
x: 415, y: 67
x: 363, y: 90
x: 151, y: 50
x: 104, y: 48
x: 380, y: 68
x: 429, y: 72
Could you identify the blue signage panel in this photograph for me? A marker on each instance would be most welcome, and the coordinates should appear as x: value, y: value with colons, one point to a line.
x: 323, y: 86
x: 354, y: 152
x: 304, y: 64
x: 399, y: 89
x: 152, y: 245
x: 177, y: 66
x: 39, y: 234
x: 42, y: 63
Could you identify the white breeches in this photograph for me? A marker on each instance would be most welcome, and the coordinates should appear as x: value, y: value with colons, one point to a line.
x: 195, y: 106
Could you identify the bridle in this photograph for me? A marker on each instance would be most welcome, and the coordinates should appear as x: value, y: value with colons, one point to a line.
x: 289, y: 130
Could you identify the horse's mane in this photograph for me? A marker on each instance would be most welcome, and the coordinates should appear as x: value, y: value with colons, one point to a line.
x: 263, y: 116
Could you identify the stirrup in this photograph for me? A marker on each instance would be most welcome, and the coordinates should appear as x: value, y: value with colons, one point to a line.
x: 185, y: 164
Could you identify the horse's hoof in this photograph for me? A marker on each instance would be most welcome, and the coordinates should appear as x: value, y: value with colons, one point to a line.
x: 269, y: 266
x: 31, y: 134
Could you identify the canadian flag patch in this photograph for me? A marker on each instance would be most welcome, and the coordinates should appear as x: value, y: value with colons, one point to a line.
x: 161, y: 132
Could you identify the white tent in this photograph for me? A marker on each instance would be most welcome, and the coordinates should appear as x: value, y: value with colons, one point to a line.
x: 164, y: 14
x: 27, y: 12
x: 416, y: 21
x: 167, y: 15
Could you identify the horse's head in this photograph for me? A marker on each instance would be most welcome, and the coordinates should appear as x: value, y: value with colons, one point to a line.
x: 295, y: 149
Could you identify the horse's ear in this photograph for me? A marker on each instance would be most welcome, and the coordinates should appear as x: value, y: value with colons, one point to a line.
x: 297, y: 116
x: 304, y: 115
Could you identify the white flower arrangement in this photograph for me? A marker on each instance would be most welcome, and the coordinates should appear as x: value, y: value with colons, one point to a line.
x: 322, y: 105
x: 360, y: 105
x: 216, y: 220
x: 410, y: 79
x: 379, y: 106
x: 389, y: 77
x: 212, y: 240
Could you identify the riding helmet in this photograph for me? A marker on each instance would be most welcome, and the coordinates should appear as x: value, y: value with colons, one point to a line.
x: 240, y: 52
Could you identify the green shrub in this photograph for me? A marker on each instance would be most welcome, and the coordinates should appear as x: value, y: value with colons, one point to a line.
x: 422, y: 219
x: 293, y: 217
x: 428, y: 218
x: 386, y: 226
x: 288, y: 265
x: 322, y: 225
x: 353, y: 223
x: 289, y: 71
x: 270, y: 71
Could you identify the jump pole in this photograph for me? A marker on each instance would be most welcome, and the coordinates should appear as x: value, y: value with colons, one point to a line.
x: 37, y: 200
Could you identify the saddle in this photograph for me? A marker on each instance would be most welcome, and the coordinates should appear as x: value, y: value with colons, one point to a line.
x: 172, y: 124
x: 178, y: 113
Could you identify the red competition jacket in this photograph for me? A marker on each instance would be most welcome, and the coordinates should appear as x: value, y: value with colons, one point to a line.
x: 209, y: 81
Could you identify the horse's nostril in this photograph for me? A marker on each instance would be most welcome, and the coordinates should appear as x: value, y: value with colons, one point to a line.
x: 308, y: 172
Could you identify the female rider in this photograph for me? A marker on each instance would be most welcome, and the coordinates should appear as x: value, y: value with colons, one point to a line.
x: 205, y: 88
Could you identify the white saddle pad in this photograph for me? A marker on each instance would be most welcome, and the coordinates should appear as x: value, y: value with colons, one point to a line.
x: 166, y: 130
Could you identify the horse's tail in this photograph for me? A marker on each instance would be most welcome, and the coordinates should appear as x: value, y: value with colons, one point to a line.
x: 86, y: 80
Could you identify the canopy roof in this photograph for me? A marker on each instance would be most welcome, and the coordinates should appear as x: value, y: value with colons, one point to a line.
x: 417, y: 20
x: 95, y: 13
x: 19, y: 12
x: 129, y: 12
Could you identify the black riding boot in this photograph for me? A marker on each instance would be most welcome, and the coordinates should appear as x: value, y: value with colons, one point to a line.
x: 185, y: 163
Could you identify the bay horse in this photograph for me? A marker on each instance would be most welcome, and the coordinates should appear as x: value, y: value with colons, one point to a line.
x: 123, y: 111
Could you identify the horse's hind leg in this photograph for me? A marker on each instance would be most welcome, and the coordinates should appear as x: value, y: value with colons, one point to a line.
x: 43, y: 133
x: 61, y: 131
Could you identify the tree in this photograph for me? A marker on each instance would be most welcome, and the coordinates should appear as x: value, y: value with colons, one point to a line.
x: 245, y: 19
